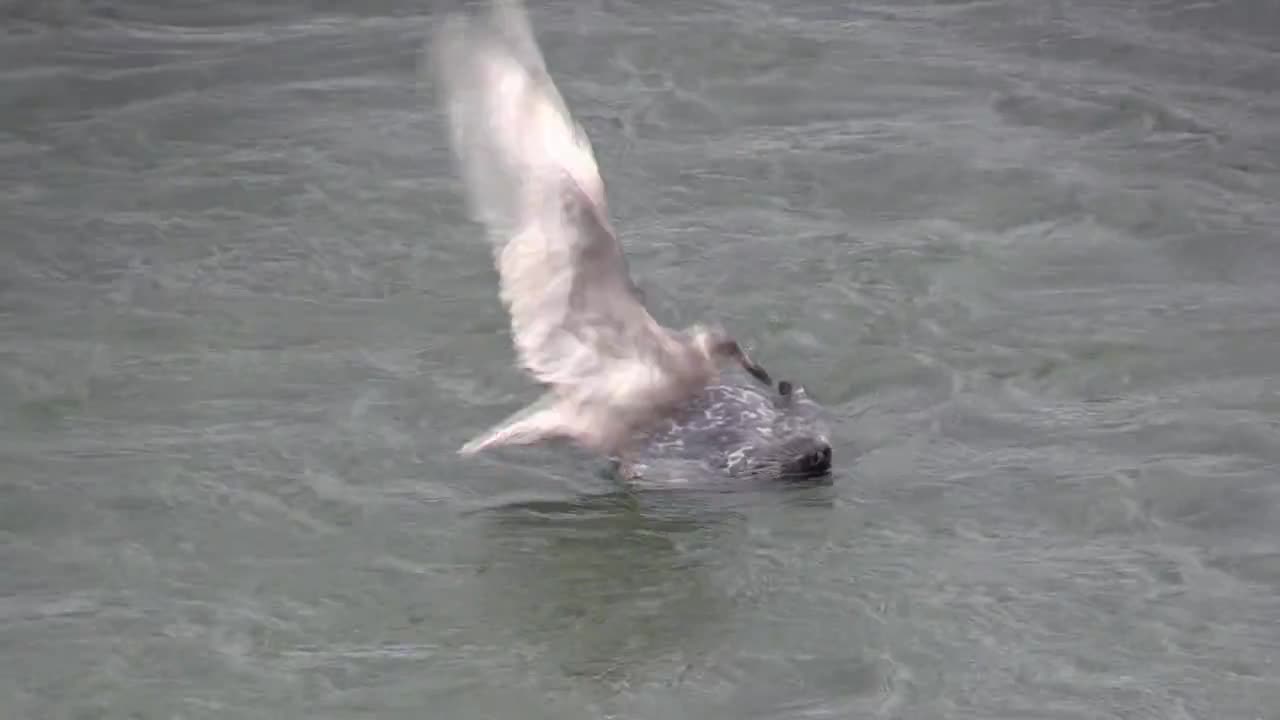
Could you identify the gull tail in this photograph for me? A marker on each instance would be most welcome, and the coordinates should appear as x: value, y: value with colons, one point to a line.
x: 536, y: 423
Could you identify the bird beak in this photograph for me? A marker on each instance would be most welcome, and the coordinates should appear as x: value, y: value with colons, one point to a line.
x: 756, y: 371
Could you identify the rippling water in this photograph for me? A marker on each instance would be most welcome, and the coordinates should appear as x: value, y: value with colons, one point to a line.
x: 1025, y: 253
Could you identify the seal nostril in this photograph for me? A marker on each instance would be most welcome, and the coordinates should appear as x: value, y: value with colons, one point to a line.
x: 816, y: 461
x: 812, y: 458
x: 820, y: 460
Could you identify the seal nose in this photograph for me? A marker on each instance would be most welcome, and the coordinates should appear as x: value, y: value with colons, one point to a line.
x: 810, y: 458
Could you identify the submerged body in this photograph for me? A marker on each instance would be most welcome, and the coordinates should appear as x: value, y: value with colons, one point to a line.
x: 737, y: 432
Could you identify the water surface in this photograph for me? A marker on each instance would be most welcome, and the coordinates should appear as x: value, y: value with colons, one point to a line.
x: 1024, y: 252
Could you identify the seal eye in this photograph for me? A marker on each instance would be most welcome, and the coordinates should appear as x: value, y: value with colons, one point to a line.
x: 784, y: 388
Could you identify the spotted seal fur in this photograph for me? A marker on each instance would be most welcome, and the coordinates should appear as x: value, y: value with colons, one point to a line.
x: 735, y: 431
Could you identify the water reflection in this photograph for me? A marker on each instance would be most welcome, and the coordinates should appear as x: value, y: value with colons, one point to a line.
x: 620, y: 587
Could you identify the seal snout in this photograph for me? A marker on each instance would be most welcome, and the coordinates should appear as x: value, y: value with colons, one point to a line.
x: 807, y: 458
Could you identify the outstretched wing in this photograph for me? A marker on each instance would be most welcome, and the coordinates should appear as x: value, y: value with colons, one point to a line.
x: 531, y: 178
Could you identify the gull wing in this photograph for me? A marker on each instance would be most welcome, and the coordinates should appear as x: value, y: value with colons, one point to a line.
x: 578, y: 321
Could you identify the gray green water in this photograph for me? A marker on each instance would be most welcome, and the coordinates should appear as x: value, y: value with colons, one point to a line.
x: 1024, y: 252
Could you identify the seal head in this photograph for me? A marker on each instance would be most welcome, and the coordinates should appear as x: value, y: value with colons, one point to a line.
x: 736, y: 431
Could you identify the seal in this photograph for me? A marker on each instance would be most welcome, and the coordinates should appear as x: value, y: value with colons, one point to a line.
x: 734, y: 432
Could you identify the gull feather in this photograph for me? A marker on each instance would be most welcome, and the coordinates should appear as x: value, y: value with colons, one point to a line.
x: 578, y: 323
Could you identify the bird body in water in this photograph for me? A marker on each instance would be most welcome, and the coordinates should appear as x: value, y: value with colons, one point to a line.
x: 578, y: 322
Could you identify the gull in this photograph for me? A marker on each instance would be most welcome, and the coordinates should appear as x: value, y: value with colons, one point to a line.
x: 579, y: 325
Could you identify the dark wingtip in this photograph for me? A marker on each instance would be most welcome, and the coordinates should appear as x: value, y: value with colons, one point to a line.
x: 760, y: 374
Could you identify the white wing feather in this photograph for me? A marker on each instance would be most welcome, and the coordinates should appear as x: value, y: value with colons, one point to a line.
x: 532, y: 179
